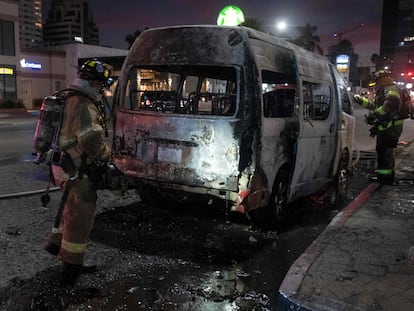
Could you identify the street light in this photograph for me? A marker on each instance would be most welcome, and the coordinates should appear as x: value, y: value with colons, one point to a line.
x: 281, y: 26
x: 284, y: 29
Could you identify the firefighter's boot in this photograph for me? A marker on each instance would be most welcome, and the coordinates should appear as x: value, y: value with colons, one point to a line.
x: 383, y: 178
x: 52, y: 249
x: 71, y: 272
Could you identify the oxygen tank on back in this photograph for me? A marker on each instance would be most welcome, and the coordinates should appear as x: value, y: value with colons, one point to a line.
x: 48, y: 126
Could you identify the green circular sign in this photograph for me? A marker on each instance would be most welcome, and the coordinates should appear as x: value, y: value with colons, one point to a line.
x: 231, y: 15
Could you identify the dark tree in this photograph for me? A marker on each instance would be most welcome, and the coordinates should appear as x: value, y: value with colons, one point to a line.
x: 130, y: 38
x: 308, y: 39
x: 252, y: 23
x: 345, y: 47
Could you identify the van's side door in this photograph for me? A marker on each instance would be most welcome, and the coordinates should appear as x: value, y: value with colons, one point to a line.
x: 317, y: 137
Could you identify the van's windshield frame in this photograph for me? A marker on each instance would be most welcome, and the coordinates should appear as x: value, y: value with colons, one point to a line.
x: 183, y: 89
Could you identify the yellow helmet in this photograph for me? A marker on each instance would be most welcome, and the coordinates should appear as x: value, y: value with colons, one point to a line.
x: 381, y: 74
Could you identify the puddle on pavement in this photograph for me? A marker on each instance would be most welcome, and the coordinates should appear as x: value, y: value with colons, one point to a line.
x: 217, y: 290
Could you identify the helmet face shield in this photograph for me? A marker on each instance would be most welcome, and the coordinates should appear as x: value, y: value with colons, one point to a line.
x: 94, y: 69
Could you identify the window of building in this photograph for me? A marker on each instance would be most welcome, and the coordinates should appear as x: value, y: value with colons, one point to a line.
x: 8, y: 82
x: 405, y: 4
x: 7, y: 44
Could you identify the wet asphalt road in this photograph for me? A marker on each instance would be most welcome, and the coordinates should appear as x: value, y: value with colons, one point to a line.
x: 149, y: 258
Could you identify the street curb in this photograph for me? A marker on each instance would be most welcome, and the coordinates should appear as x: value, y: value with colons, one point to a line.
x: 300, y: 267
x: 287, y: 299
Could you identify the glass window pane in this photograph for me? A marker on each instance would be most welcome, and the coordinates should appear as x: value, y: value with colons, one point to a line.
x: 7, y: 38
x: 8, y: 82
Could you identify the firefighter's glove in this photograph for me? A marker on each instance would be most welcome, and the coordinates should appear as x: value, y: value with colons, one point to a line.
x: 105, y: 175
x: 358, y: 99
x: 370, y: 118
x: 112, y: 177
x: 373, y: 131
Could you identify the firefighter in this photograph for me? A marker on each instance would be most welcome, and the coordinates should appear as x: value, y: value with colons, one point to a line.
x: 83, y: 141
x: 386, y: 125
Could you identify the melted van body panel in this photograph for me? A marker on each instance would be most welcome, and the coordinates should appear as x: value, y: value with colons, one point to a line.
x: 215, y: 113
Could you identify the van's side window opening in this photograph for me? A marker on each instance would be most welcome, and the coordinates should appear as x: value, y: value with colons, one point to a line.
x: 316, y: 100
x: 279, y: 92
x: 201, y: 90
x: 345, y: 101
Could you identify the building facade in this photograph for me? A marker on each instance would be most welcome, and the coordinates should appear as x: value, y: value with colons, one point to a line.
x: 29, y: 73
x: 70, y: 21
x: 9, y: 50
x: 397, y: 38
x: 30, y: 23
x: 46, y: 70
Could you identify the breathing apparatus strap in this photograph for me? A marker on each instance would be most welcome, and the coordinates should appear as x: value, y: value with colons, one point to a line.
x: 45, y: 198
x: 101, y: 105
x: 82, y: 166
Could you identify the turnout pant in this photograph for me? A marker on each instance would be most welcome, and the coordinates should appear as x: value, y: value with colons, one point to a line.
x: 77, y: 222
x: 387, y: 140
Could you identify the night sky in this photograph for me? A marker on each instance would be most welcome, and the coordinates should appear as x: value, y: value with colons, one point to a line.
x: 117, y: 18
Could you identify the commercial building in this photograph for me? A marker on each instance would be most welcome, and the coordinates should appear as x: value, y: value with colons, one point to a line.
x: 9, y: 50
x: 29, y: 72
x: 68, y: 22
x: 397, y: 38
x: 30, y: 23
x: 45, y: 70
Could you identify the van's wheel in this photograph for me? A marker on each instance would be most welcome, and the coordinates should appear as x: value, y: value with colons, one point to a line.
x: 145, y: 197
x: 278, y: 199
x: 276, y: 211
x: 338, y: 187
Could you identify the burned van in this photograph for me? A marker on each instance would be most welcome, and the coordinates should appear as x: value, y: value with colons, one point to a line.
x: 230, y: 114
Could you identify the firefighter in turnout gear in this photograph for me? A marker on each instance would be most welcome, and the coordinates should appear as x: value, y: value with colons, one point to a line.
x: 387, y: 125
x: 82, y: 141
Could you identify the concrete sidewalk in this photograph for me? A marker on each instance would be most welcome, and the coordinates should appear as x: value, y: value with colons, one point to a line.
x: 364, y: 259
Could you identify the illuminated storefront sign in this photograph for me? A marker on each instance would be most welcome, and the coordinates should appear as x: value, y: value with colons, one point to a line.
x: 6, y: 71
x: 342, y: 63
x: 231, y: 15
x: 30, y: 65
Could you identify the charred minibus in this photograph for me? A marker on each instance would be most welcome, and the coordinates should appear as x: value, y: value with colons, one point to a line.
x: 230, y: 114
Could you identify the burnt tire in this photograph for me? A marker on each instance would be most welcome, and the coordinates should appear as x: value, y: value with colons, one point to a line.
x: 338, y: 187
x: 275, y: 212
